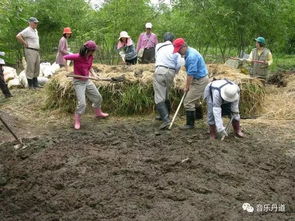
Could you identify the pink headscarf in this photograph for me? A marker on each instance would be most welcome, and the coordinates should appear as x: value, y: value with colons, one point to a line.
x: 122, y: 44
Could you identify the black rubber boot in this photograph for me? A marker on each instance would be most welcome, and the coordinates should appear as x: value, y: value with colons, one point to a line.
x: 30, y: 83
x: 190, y: 120
x: 6, y: 91
x: 164, y: 114
x: 35, y: 83
x: 168, y: 105
x: 199, y: 112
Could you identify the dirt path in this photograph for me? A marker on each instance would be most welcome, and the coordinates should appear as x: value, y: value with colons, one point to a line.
x: 126, y: 170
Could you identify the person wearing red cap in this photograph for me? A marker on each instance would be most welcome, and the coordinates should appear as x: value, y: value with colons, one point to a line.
x: 196, y: 81
x: 63, y: 47
x: 85, y: 87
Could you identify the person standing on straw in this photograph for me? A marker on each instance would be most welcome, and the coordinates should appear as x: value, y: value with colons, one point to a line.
x: 3, y: 85
x: 30, y: 39
x: 196, y: 80
x: 85, y: 87
x: 146, y: 45
x: 222, y: 98
x: 167, y: 65
x: 63, y: 47
x: 126, y: 49
x: 260, y: 58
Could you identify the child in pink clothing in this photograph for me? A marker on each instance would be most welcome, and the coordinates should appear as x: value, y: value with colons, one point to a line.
x: 85, y: 87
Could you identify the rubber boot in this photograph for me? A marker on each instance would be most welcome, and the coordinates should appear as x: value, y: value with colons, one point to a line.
x: 168, y: 105
x: 164, y: 114
x: 77, y: 121
x: 6, y: 91
x: 237, y: 129
x: 35, y: 83
x: 30, y: 83
x: 213, y: 132
x: 99, y: 113
x: 190, y: 120
x: 199, y: 112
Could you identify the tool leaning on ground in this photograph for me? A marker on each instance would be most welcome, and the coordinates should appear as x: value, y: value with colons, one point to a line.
x: 113, y: 79
x: 21, y: 144
x: 227, y: 127
x: 177, y: 110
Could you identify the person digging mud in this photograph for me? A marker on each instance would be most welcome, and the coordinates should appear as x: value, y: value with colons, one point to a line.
x: 260, y: 58
x: 167, y: 65
x: 126, y: 49
x: 29, y: 38
x: 63, y: 47
x: 196, y: 81
x: 222, y: 98
x: 3, y: 85
x: 85, y: 87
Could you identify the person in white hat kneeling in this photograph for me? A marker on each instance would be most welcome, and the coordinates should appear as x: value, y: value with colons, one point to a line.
x: 223, y: 97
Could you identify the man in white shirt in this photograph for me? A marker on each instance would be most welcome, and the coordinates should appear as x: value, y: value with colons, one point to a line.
x: 167, y: 65
x: 29, y: 38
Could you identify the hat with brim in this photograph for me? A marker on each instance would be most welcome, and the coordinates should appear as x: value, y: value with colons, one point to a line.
x: 178, y: 43
x: 260, y: 40
x: 148, y: 25
x: 33, y: 19
x: 230, y: 92
x: 123, y: 34
x: 2, y: 61
x: 67, y: 30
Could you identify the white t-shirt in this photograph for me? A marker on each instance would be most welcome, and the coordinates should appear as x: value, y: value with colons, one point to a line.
x: 31, y: 36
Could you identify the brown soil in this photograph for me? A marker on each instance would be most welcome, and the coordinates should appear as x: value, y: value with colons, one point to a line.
x: 125, y: 169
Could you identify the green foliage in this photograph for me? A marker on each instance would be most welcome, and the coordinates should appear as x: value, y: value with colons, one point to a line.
x: 214, y: 27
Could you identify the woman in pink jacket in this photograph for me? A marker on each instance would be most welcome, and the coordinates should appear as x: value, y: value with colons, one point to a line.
x: 83, y: 86
x: 63, y: 47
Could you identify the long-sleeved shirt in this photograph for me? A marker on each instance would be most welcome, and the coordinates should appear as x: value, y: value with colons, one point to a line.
x: 214, y: 101
x: 82, y: 65
x: 146, y: 41
x: 195, y: 64
x: 62, y: 51
x: 166, y: 57
x: 127, y: 50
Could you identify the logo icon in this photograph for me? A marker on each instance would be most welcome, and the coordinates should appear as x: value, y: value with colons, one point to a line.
x: 248, y: 207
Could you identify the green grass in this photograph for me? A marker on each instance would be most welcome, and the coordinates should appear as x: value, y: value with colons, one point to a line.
x: 285, y: 62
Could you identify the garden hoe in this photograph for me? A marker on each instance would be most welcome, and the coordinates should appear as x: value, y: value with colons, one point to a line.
x: 177, y: 110
x: 227, y: 127
x: 20, y: 143
x: 113, y: 79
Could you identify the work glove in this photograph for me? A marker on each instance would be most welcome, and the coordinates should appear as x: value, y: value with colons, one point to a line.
x: 223, y: 133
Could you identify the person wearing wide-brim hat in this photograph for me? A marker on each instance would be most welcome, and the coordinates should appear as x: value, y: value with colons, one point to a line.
x: 146, y: 44
x: 29, y: 38
x: 63, y: 47
x: 223, y: 97
x: 126, y: 48
x: 260, y: 58
x: 3, y: 85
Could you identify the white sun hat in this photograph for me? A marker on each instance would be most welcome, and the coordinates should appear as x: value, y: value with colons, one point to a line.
x: 124, y: 34
x: 230, y: 92
x: 148, y: 25
x: 2, y: 61
x: 2, y: 53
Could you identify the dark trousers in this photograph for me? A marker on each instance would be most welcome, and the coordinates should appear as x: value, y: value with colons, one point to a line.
x: 132, y: 61
x: 148, y: 56
x: 3, y: 85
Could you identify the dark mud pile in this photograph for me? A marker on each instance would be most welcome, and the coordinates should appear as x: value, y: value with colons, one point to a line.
x: 129, y: 172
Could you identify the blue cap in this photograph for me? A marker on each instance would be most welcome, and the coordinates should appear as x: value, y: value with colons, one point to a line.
x: 260, y: 40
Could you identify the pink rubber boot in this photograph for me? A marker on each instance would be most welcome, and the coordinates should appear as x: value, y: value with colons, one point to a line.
x: 99, y: 113
x: 77, y: 121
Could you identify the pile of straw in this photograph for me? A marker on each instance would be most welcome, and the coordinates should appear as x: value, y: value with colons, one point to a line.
x: 280, y: 101
x: 135, y: 94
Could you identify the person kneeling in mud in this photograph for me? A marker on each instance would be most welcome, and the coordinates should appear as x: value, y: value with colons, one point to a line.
x: 222, y: 98
x: 83, y: 67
